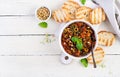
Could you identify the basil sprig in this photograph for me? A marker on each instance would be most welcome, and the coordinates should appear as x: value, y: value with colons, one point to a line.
x: 78, y: 42
x: 84, y: 62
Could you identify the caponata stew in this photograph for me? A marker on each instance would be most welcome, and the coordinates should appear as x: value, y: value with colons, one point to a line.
x: 78, y: 39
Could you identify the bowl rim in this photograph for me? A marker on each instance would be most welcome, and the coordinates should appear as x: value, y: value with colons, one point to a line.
x: 60, y: 35
x: 37, y: 16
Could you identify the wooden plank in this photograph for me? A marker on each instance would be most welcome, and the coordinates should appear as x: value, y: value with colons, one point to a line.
x: 25, y: 7
x: 19, y: 17
x: 50, y: 66
x: 31, y: 45
x: 25, y: 25
x: 29, y: 25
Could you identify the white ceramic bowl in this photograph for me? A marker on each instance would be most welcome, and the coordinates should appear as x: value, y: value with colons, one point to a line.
x: 60, y: 35
x: 40, y: 19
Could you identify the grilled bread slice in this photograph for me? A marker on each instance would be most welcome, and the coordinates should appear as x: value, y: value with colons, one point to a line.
x: 83, y: 13
x: 71, y: 6
x: 61, y: 15
x: 106, y: 38
x: 97, y: 16
x: 98, y: 55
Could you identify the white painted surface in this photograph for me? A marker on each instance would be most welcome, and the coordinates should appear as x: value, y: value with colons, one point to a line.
x: 23, y: 55
x: 50, y: 66
x: 25, y: 25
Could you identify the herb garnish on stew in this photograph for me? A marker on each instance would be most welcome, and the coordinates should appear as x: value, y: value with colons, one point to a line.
x: 78, y: 42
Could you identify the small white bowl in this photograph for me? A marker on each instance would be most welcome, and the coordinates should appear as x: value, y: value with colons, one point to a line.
x: 60, y: 35
x: 40, y: 19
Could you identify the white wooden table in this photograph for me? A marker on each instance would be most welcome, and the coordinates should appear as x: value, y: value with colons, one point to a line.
x: 23, y: 55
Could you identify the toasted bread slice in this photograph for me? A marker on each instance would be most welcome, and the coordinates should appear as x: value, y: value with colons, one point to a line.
x: 71, y: 6
x: 83, y: 13
x: 106, y: 38
x: 60, y: 15
x: 98, y: 55
x: 97, y: 16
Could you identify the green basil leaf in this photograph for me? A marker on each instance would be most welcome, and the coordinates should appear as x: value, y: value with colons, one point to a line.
x: 84, y: 62
x: 43, y: 24
x: 75, y: 39
x: 83, y: 1
x: 79, y: 46
x: 78, y: 42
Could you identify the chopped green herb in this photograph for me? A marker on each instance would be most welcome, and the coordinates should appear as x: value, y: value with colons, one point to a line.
x: 83, y: 1
x: 84, y: 62
x: 43, y: 24
x: 48, y: 39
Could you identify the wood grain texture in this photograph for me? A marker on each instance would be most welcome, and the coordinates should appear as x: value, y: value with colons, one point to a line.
x: 38, y: 45
x: 25, y: 7
x: 23, y: 55
x: 50, y: 66
x: 20, y: 18
x: 20, y: 21
x: 25, y: 25
x: 28, y: 45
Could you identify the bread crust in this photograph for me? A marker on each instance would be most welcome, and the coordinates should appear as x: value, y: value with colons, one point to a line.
x: 71, y: 6
x: 106, y: 38
x: 98, y: 55
x: 97, y: 16
x: 61, y: 15
x: 83, y: 13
